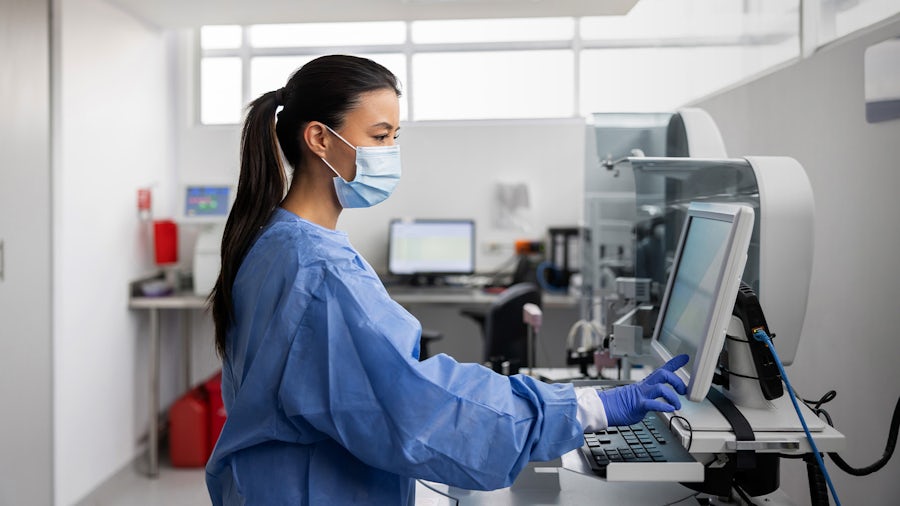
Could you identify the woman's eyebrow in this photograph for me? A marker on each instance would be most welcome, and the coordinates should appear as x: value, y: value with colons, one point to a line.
x: 384, y: 124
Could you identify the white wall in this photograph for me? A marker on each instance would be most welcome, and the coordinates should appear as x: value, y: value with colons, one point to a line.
x: 112, y: 136
x: 814, y: 111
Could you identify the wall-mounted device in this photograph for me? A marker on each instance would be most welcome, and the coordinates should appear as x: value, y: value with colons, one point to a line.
x: 206, y: 205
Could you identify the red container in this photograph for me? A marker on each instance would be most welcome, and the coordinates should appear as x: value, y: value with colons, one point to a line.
x: 165, y: 241
x: 216, y: 408
x: 189, y: 430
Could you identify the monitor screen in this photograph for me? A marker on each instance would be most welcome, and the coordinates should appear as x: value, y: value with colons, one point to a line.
x: 702, y: 289
x: 206, y: 202
x: 431, y: 247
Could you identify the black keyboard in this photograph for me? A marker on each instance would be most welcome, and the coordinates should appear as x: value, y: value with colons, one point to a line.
x: 636, y: 452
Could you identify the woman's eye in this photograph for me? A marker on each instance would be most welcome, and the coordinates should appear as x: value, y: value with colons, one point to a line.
x: 382, y: 138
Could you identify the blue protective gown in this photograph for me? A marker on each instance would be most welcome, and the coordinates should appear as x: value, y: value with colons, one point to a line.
x: 328, y: 404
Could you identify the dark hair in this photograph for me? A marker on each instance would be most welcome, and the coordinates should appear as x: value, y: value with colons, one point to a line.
x: 324, y: 90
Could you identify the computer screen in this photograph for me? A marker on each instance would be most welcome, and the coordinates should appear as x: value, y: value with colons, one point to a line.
x: 431, y: 247
x: 206, y: 202
x: 701, y: 290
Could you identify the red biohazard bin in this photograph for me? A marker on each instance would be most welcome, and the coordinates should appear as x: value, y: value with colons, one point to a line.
x: 189, y: 430
x: 216, y: 408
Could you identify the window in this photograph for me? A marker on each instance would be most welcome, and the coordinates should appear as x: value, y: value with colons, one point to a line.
x: 492, y: 30
x: 659, y: 56
x: 220, y: 90
x: 493, y: 84
x: 327, y: 34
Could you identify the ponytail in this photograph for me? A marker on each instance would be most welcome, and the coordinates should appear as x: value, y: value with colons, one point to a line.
x: 261, y: 187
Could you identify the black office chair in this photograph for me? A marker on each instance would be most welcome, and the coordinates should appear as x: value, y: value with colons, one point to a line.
x: 427, y: 337
x: 505, y: 334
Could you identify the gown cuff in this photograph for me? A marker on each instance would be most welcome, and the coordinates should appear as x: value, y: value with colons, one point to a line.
x: 591, y: 412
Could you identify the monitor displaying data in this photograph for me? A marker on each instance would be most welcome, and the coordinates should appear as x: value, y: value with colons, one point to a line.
x: 431, y: 247
x: 206, y: 202
x: 694, y: 288
x: 702, y: 289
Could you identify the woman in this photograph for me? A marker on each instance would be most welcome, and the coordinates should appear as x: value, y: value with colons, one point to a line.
x: 326, y: 400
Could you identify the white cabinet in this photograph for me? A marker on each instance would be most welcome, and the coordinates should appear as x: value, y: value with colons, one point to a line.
x: 26, y: 431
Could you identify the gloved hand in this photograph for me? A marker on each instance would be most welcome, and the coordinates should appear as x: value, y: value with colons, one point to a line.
x: 628, y: 404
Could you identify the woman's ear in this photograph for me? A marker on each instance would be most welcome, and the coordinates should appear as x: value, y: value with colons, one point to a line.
x: 314, y: 134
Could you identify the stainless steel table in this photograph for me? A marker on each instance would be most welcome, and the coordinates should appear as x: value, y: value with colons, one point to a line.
x: 153, y: 305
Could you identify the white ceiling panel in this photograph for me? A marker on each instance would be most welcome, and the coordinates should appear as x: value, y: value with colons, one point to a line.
x: 188, y: 13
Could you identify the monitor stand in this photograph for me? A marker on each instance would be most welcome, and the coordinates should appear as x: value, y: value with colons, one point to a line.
x: 745, y: 392
x: 424, y: 280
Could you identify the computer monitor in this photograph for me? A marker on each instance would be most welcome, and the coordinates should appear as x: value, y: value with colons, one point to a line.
x: 206, y: 203
x: 701, y: 290
x: 431, y: 247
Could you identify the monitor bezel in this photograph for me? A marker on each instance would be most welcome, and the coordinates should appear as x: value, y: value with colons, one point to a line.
x: 703, y: 364
x: 450, y: 221
x: 182, y: 203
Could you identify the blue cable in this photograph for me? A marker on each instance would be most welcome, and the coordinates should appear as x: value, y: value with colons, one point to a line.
x: 760, y: 335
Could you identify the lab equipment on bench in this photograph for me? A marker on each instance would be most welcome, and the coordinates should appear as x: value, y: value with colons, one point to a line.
x: 206, y: 206
x: 704, y: 304
x: 779, y: 257
x: 693, y: 318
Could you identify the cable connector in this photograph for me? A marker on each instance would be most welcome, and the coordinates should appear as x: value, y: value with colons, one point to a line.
x: 760, y: 335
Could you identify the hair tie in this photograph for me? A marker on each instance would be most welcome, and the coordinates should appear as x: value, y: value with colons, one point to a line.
x: 279, y: 96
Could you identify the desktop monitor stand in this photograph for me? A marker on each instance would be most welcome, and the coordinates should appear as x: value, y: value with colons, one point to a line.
x: 764, y: 415
x: 424, y: 280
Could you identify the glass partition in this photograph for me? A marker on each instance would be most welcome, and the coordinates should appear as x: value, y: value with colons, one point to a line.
x: 664, y: 187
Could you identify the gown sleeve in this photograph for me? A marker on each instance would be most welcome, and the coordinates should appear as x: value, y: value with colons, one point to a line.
x: 352, y: 373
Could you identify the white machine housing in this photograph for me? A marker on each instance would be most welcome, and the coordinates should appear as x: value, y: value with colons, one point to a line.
x: 703, y: 137
x: 207, y: 258
x: 786, y: 216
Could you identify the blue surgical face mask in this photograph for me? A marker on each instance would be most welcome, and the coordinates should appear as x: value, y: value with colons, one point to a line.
x: 377, y: 174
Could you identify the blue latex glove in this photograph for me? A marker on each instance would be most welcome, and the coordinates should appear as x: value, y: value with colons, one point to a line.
x: 629, y: 404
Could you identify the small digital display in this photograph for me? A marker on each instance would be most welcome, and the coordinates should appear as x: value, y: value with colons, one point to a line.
x: 206, y: 201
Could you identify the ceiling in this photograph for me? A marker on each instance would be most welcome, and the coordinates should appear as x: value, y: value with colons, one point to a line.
x: 189, y: 13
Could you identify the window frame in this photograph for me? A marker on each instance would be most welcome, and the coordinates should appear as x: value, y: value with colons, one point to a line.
x: 408, y: 48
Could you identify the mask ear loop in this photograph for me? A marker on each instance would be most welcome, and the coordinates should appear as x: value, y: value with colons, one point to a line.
x: 336, y: 173
x: 332, y: 168
x: 339, y: 137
